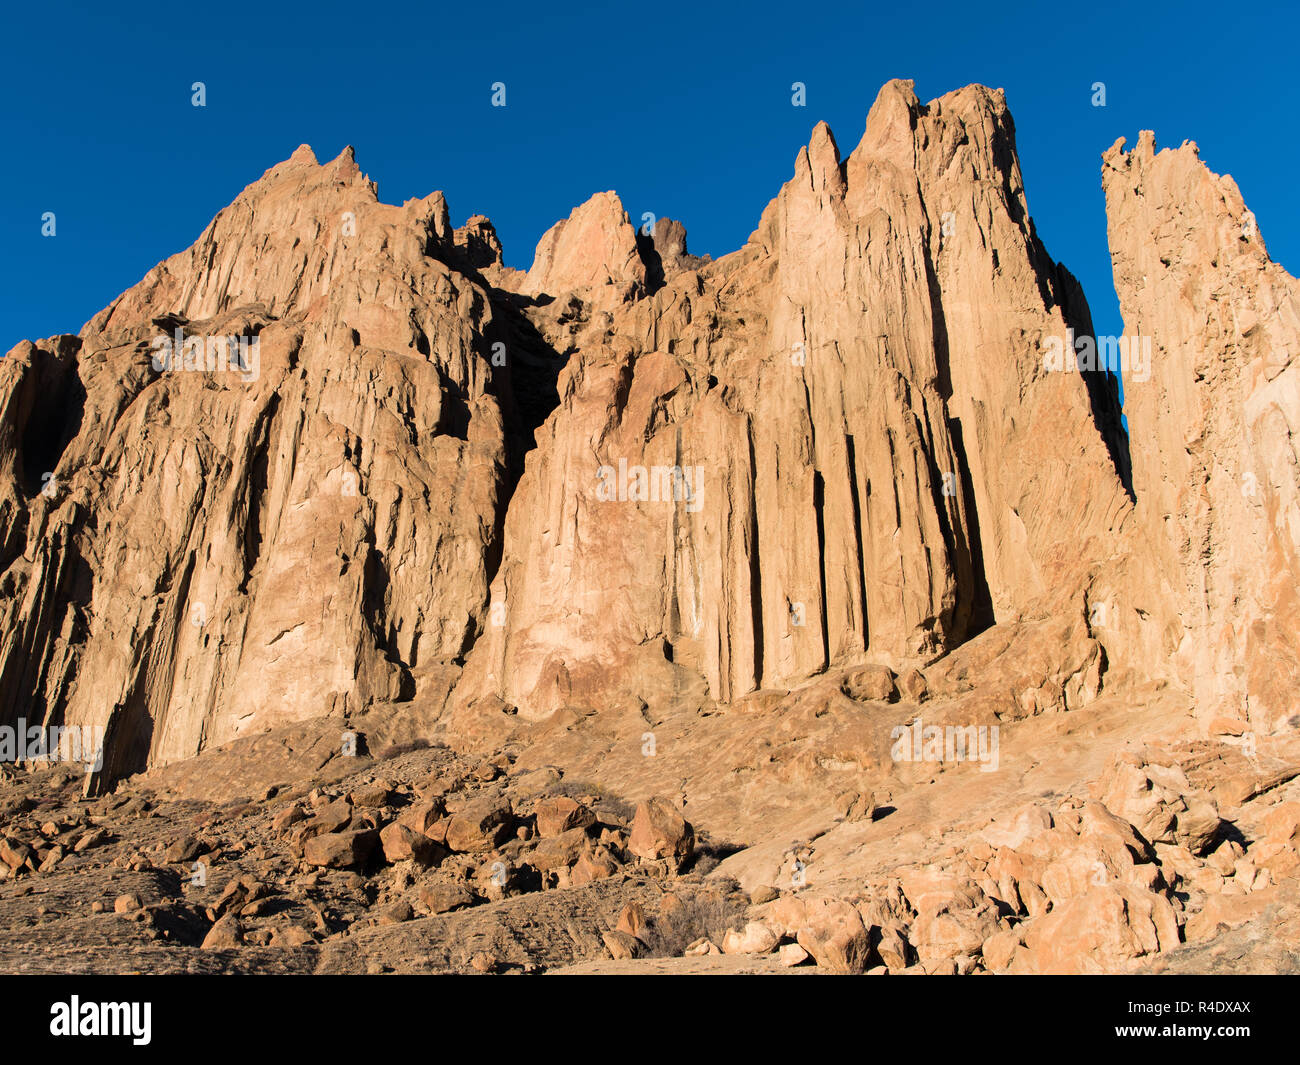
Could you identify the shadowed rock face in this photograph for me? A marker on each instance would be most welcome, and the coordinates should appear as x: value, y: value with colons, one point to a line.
x: 631, y: 477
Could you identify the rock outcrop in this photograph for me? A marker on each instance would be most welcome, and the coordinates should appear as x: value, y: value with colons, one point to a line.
x: 189, y: 553
x: 1213, y: 420
x: 828, y: 443
x: 713, y: 531
x: 595, y: 246
x: 802, y: 607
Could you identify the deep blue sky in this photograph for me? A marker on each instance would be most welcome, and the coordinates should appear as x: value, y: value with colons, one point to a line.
x: 682, y: 108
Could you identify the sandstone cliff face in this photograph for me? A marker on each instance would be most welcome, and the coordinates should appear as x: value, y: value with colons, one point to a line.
x: 220, y: 551
x: 629, y: 476
x: 805, y: 551
x: 1215, y: 465
x: 859, y: 393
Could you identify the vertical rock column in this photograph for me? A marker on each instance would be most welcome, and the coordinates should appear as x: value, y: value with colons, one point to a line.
x: 1213, y: 423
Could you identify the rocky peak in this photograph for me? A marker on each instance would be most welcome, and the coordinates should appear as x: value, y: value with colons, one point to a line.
x: 595, y: 246
x: 478, y: 243
x: 1213, y: 403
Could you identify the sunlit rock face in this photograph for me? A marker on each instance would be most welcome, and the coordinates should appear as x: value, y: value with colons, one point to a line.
x: 337, y: 455
x: 1215, y: 464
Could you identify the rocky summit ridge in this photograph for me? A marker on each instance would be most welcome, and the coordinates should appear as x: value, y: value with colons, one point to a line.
x: 810, y: 604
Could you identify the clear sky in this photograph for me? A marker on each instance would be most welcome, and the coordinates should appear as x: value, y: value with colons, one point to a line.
x: 683, y: 108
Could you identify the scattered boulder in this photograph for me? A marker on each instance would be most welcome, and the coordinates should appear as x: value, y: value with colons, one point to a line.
x: 1097, y: 932
x: 597, y: 864
x: 95, y: 838
x: 1160, y: 802
x: 183, y: 850
x: 913, y: 686
x: 484, y: 822
x: 423, y: 815
x: 330, y: 817
x: 375, y: 796
x: 830, y: 930
x: 444, y: 896
x: 556, y: 855
x: 621, y: 946
x: 558, y: 815
x: 341, y: 850
x: 833, y: 933
x: 286, y: 818
x: 127, y: 903
x: 224, y: 935
x: 660, y: 832
x: 16, y: 855
x: 870, y: 684
x: 955, y: 927
x: 396, y: 913
x: 291, y: 936
x: 791, y: 954
x: 402, y: 843
x: 632, y: 920
x: 755, y: 938
x: 892, y: 948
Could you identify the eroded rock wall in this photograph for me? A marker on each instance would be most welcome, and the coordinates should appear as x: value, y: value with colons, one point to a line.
x: 1215, y: 465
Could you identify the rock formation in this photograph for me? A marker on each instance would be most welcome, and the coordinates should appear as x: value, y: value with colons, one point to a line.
x: 769, y: 545
x: 860, y: 394
x: 1215, y: 464
x: 190, y: 554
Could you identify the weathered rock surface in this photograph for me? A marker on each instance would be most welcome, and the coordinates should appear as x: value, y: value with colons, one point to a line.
x: 1215, y: 465
x: 424, y: 632
x: 825, y: 444
x: 321, y: 529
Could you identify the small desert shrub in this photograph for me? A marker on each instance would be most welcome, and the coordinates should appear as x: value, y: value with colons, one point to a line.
x: 705, y: 913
